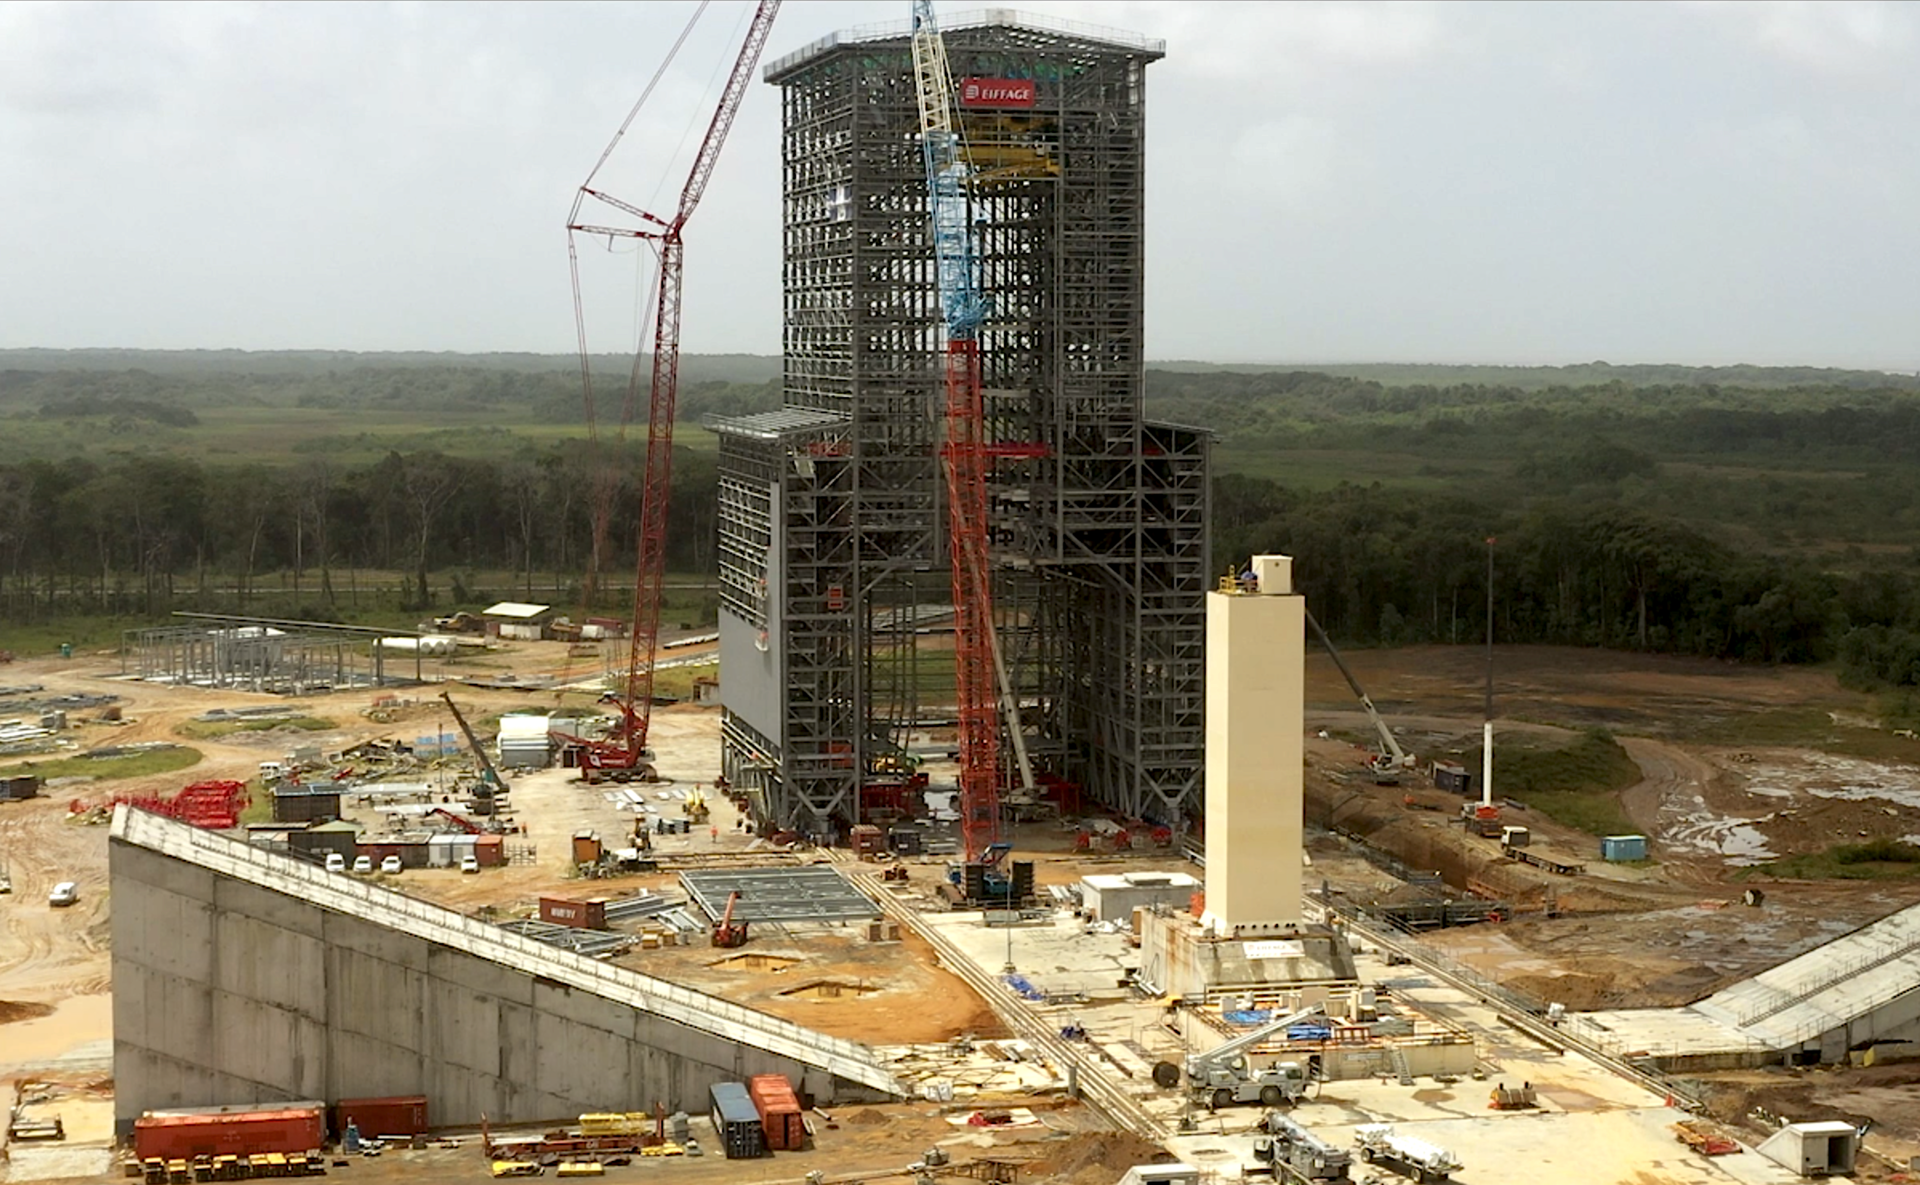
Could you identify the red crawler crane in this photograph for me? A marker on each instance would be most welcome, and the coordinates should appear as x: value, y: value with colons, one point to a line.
x: 621, y: 754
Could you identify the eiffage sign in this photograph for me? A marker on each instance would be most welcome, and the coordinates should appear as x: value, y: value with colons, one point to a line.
x: 996, y: 92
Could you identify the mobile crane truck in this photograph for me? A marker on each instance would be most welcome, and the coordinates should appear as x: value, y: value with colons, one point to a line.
x: 1297, y: 1155
x: 1221, y: 1077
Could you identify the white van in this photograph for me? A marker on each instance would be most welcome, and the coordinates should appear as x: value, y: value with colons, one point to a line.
x: 64, y: 893
x: 336, y: 862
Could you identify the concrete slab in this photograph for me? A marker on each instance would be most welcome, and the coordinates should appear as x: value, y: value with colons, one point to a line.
x: 1626, y: 1146
x: 1591, y: 1126
x: 1059, y: 954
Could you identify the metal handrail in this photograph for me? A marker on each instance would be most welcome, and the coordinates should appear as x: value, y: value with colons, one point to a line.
x: 977, y: 19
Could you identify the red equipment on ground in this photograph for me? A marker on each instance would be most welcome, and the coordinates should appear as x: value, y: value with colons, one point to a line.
x: 728, y: 933
x: 215, y: 806
x: 458, y: 821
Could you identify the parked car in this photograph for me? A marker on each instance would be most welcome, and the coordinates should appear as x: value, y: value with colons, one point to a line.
x: 469, y: 864
x: 336, y: 862
x: 64, y: 893
x: 390, y: 865
x: 363, y: 864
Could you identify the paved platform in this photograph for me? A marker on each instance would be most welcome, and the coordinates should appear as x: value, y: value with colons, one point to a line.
x: 1592, y: 1125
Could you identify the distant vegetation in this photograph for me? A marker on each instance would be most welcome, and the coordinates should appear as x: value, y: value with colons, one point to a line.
x: 1577, y: 784
x: 1761, y: 514
x: 1878, y: 859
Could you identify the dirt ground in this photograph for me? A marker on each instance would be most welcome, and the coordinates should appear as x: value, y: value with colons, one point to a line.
x: 1664, y: 932
x: 1066, y: 1143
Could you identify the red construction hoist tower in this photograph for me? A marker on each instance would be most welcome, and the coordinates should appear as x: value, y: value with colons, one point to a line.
x: 621, y: 754
x: 978, y: 674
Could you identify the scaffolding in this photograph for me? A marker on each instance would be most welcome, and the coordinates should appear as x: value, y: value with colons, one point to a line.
x: 264, y: 654
x: 831, y: 515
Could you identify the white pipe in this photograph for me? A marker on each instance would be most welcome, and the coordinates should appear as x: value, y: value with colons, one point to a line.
x: 1486, y: 765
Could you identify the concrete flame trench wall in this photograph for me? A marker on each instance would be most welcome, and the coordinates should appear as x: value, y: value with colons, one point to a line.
x: 228, y: 992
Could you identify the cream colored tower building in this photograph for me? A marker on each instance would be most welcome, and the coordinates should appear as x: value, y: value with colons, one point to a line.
x: 1256, y: 675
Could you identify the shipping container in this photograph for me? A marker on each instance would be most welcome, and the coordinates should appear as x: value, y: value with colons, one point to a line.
x: 1448, y: 776
x: 779, y: 1110
x: 412, y: 853
x: 586, y: 847
x: 19, y: 787
x: 736, y: 1122
x: 1624, y: 847
x: 867, y: 839
x: 401, y: 1115
x: 296, y: 1128
x: 440, y: 852
x: 490, y: 850
x: 584, y: 915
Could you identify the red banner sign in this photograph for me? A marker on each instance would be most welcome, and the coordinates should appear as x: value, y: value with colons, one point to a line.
x: 996, y: 92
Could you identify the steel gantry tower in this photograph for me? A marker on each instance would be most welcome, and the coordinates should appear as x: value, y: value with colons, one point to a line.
x: 834, y: 547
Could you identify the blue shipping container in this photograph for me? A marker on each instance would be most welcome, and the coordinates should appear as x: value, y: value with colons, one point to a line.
x: 1623, y: 847
x: 737, y: 1121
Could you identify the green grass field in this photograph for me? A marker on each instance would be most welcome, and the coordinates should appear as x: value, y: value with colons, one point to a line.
x: 1577, y: 785
x: 201, y: 730
x: 105, y: 769
x: 1879, y: 859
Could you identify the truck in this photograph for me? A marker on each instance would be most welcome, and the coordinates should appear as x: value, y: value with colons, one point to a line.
x: 1221, y: 1076
x: 1409, y: 1156
x: 1297, y: 1155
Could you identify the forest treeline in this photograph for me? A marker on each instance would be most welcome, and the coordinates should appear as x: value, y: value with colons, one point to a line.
x: 143, y: 535
x: 1774, y: 520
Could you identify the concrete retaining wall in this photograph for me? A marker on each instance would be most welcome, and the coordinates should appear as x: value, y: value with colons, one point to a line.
x: 229, y: 992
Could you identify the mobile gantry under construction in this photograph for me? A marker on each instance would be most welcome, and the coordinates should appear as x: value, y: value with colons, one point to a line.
x: 834, y: 556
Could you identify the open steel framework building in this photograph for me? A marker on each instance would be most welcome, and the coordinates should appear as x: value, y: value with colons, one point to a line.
x: 833, y: 559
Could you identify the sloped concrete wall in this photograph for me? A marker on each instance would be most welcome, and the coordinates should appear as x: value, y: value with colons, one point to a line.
x: 228, y: 992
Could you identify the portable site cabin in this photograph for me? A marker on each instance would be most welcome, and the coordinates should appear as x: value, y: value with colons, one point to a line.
x: 516, y: 621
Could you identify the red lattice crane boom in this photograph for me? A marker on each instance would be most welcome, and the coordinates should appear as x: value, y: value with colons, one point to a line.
x: 624, y: 751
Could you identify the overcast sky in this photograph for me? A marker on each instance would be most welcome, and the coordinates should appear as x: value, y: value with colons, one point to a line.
x: 1503, y: 183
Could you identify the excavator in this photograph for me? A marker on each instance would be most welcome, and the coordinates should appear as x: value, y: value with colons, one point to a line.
x: 491, y: 783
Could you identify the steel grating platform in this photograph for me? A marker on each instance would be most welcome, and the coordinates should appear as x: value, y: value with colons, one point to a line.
x: 592, y: 943
x: 815, y: 893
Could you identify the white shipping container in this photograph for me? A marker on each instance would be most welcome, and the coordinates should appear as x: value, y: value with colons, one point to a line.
x: 440, y: 852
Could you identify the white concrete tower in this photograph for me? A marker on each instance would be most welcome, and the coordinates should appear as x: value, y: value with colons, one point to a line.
x: 1256, y: 693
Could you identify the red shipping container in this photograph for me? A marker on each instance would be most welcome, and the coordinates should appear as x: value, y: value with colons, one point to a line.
x: 183, y: 1136
x: 402, y: 1115
x: 490, y: 850
x: 584, y: 915
x: 779, y: 1112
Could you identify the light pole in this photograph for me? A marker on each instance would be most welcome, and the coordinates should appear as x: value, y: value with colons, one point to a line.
x: 1486, y: 740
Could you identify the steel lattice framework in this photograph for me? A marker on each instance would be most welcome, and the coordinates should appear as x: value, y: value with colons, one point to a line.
x: 832, y: 544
